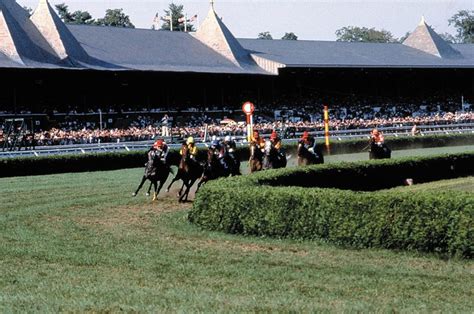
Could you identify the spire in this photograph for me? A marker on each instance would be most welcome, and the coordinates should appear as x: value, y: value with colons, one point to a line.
x: 424, y: 38
x: 19, y: 38
x: 56, y: 33
x: 214, y: 34
x: 422, y: 22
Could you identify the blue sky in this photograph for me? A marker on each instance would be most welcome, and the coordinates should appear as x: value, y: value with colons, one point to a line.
x: 311, y: 20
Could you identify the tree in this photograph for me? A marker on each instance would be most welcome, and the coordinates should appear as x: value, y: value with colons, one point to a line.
x: 364, y: 34
x: 290, y: 36
x: 265, y: 35
x: 404, y: 37
x: 64, y: 14
x: 177, y: 15
x: 77, y: 17
x: 463, y: 21
x: 448, y: 37
x: 116, y: 18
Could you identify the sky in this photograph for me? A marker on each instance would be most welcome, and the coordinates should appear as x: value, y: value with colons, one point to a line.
x: 308, y: 19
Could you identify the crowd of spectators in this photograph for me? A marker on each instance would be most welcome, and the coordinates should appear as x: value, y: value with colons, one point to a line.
x: 301, y: 115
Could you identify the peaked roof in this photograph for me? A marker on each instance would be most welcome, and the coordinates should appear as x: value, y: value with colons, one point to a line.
x: 213, y: 33
x: 56, y: 33
x: 19, y: 38
x: 424, y: 38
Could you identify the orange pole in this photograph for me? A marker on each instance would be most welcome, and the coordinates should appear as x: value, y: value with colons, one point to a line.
x: 326, y: 128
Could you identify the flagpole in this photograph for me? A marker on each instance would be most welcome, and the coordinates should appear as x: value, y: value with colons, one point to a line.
x: 171, y: 21
x: 186, y: 23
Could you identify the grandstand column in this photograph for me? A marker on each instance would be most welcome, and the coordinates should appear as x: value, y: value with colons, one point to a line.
x: 326, y: 127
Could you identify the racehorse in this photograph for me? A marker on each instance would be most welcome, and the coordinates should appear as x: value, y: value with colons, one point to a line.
x: 234, y: 163
x: 188, y: 171
x: 256, y: 158
x: 273, y: 159
x: 213, y: 169
x: 379, y: 151
x: 155, y: 171
x: 305, y: 157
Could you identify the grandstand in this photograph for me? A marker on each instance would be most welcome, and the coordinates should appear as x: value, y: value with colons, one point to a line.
x: 55, y: 69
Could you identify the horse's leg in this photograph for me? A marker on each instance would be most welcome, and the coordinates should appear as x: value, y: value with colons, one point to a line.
x: 162, y: 182
x: 201, y: 182
x: 140, y: 186
x: 149, y: 188
x: 180, y: 192
x: 155, y: 195
x: 176, y: 178
x: 184, y: 197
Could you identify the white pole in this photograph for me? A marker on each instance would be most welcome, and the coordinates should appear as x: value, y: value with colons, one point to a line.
x: 462, y: 103
x: 186, y: 23
x: 171, y: 21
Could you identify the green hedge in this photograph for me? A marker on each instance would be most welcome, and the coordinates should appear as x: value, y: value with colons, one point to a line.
x: 24, y: 166
x: 259, y: 204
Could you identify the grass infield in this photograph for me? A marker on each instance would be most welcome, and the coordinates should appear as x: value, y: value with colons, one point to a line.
x: 79, y: 242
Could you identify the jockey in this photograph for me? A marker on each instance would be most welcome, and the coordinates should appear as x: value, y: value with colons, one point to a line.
x: 256, y: 139
x: 161, y: 149
x: 309, y: 142
x: 192, y: 149
x: 376, y: 137
x: 276, y: 141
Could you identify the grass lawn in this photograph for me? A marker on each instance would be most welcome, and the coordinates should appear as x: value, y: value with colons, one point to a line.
x: 459, y: 184
x: 79, y: 242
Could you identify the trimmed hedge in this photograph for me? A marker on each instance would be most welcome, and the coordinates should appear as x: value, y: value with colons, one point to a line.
x: 261, y: 205
x: 25, y: 166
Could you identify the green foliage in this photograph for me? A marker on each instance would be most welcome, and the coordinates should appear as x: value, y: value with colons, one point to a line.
x: 265, y: 35
x: 176, y: 11
x: 463, y: 21
x: 115, y: 18
x: 289, y: 36
x: 77, y: 17
x: 291, y: 203
x: 364, y: 34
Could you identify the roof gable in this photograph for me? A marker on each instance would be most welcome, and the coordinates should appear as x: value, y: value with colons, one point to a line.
x: 20, y: 39
x: 424, y: 38
x: 56, y: 33
x: 214, y: 34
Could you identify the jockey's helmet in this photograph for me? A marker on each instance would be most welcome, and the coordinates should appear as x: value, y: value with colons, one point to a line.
x: 159, y: 143
x: 190, y: 140
x: 305, y: 135
x: 256, y: 134
x: 227, y: 138
x: 274, y: 135
x: 375, y: 132
x: 215, y: 144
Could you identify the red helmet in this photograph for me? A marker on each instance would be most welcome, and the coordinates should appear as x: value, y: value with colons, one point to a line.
x: 305, y: 134
x: 274, y: 135
x: 158, y: 144
x: 255, y: 134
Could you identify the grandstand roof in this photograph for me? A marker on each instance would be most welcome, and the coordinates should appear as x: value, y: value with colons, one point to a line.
x: 43, y: 41
x: 424, y: 38
x: 56, y: 33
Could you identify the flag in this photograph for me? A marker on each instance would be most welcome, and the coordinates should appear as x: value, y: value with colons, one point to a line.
x: 181, y: 19
x: 156, y: 22
x: 193, y: 18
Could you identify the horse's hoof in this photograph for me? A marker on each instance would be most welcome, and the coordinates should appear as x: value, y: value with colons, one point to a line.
x: 147, y: 194
x: 167, y: 190
x: 155, y: 197
x: 134, y: 194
